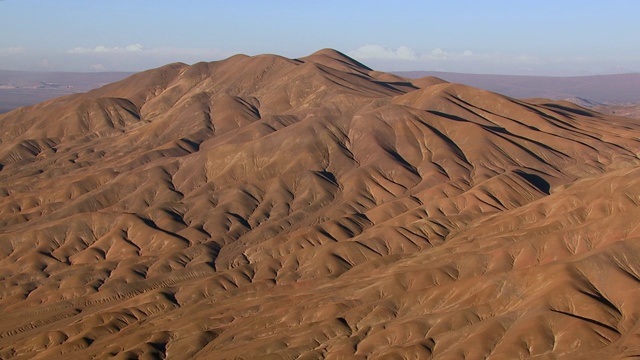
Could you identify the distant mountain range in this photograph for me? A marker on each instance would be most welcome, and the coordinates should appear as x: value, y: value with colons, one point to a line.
x: 22, y: 88
x: 599, y: 89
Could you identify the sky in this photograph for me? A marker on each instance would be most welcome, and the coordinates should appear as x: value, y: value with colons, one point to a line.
x: 557, y: 38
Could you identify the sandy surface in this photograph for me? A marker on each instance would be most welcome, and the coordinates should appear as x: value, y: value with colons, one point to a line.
x: 264, y: 207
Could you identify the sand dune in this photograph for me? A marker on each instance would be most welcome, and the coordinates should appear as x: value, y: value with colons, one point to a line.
x: 265, y: 207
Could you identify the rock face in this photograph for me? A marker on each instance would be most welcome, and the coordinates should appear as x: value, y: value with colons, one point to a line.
x: 264, y: 207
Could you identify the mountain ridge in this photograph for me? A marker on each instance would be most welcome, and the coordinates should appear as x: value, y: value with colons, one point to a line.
x: 314, y: 207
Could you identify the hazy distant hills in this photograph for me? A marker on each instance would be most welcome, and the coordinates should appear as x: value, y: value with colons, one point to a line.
x: 617, y: 94
x: 618, y: 88
x: 22, y: 88
x: 265, y: 207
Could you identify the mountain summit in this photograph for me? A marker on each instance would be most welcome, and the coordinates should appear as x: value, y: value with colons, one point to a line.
x: 266, y: 207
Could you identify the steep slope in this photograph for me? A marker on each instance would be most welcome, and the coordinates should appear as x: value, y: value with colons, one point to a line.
x: 314, y: 208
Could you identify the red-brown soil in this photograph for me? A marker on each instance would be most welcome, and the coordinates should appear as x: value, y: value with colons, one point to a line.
x: 264, y: 207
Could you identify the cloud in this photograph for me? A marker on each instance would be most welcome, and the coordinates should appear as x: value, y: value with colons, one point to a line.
x: 44, y: 64
x: 134, y: 57
x: 407, y: 54
x: 100, y: 49
x: 134, y: 47
x: 439, y: 54
x: 97, y: 67
x: 12, y: 50
x: 443, y: 59
x: 372, y: 51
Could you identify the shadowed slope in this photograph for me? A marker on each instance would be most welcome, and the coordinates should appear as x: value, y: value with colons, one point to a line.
x: 314, y: 208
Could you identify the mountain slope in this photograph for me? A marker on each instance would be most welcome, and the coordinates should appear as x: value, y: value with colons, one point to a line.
x: 271, y: 207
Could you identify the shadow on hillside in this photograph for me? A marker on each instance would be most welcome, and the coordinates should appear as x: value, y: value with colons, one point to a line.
x: 535, y: 180
x: 565, y: 109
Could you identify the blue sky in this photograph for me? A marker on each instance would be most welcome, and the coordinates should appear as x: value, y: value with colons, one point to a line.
x: 561, y: 37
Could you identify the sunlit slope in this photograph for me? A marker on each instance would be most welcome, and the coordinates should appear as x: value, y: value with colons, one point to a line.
x: 265, y: 207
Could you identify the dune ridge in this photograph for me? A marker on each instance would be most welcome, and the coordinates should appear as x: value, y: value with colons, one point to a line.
x: 265, y: 207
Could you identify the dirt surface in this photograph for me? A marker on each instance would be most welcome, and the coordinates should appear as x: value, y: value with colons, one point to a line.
x: 265, y: 208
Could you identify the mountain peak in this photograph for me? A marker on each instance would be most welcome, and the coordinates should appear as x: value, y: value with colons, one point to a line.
x: 324, y: 54
x: 329, y: 52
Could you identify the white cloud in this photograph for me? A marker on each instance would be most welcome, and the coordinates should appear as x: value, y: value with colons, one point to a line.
x: 103, y: 49
x: 44, y: 64
x: 438, y: 53
x: 372, y: 51
x: 133, y: 57
x: 97, y: 67
x: 458, y: 60
x: 12, y: 50
x: 80, y: 50
x: 379, y: 52
x: 202, y: 54
x: 134, y: 47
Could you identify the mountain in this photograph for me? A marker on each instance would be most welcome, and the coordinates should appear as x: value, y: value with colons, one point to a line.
x: 266, y: 207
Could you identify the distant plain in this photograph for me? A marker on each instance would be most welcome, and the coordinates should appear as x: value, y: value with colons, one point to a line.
x: 23, y: 88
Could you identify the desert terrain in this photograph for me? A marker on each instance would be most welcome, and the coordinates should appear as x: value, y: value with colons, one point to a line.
x: 272, y: 208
